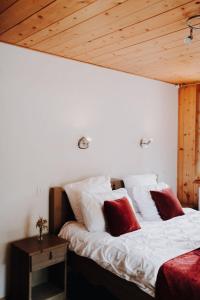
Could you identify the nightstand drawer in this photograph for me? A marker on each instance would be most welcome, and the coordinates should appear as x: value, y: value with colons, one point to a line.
x: 48, y: 258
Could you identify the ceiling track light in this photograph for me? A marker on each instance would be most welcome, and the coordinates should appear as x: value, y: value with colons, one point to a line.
x: 191, y: 23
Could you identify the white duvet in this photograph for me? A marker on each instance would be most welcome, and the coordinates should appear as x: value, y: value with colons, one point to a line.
x: 137, y: 256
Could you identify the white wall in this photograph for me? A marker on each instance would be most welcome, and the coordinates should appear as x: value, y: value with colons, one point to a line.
x: 46, y: 104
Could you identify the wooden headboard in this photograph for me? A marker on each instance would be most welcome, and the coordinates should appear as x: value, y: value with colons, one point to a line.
x: 60, y: 210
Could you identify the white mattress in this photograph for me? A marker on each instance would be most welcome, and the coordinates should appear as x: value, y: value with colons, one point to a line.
x: 137, y: 256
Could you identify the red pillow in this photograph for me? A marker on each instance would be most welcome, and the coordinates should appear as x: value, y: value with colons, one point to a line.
x: 120, y: 217
x: 167, y: 204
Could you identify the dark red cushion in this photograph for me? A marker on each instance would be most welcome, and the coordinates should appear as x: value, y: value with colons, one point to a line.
x: 167, y: 204
x: 120, y: 217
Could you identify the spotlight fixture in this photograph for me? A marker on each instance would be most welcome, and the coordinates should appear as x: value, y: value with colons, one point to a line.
x: 194, y: 24
x: 189, y: 38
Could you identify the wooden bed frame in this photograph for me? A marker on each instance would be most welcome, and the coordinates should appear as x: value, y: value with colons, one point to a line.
x: 60, y: 212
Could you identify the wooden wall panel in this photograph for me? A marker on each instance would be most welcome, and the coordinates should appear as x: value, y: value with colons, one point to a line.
x: 187, y: 145
x: 198, y: 133
x: 197, y: 181
x: 180, y: 145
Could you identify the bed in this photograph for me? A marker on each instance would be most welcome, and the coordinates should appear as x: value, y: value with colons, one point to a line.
x: 60, y: 212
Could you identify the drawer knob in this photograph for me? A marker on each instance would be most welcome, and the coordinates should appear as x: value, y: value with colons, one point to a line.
x: 50, y: 255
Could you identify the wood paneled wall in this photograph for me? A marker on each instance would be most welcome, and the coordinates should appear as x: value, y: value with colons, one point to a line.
x: 198, y: 134
x: 188, y: 145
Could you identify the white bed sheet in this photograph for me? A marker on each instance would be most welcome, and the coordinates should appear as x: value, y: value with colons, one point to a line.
x: 137, y: 256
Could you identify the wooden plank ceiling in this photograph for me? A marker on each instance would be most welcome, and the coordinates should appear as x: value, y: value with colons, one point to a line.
x: 142, y: 37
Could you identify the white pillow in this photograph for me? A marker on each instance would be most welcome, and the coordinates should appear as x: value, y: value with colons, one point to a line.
x: 131, y: 181
x: 144, y: 201
x: 99, y: 184
x: 142, y: 179
x: 92, y: 207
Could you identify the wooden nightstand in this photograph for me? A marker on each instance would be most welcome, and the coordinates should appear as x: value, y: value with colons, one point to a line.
x: 30, y: 255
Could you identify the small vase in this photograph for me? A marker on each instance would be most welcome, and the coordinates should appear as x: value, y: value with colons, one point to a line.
x: 40, y: 237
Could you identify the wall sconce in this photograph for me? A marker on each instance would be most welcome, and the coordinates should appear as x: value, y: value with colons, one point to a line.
x: 145, y: 142
x: 84, y: 142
